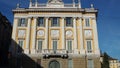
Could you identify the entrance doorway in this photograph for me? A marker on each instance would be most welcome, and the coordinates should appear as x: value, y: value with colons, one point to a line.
x: 54, y: 64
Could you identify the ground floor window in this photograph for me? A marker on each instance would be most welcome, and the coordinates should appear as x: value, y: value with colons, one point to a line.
x: 70, y: 63
x: 90, y: 63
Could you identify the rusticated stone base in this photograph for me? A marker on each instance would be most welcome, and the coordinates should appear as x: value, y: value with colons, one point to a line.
x: 78, y: 62
x: 40, y: 62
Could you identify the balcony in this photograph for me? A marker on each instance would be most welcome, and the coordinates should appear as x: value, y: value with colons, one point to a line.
x: 55, y: 52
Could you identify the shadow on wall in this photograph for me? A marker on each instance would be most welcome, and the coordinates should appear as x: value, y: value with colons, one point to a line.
x: 5, y: 40
x: 20, y: 60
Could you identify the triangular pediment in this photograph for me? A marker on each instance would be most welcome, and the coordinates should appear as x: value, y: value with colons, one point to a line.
x: 55, y: 1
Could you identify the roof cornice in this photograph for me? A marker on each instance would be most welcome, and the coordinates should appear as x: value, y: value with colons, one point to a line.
x: 87, y: 10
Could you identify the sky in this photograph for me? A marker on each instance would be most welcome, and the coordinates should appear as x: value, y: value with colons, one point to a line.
x: 108, y: 21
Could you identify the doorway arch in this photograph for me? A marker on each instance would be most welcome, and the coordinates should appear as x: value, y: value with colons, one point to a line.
x: 54, y: 64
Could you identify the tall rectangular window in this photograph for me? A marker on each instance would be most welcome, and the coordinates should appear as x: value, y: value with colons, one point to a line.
x: 70, y: 63
x: 55, y: 44
x: 55, y: 21
x: 22, y: 22
x: 40, y: 42
x: 90, y: 63
x: 69, y: 45
x: 69, y: 22
x: 87, y: 22
x: 20, y: 46
x: 21, y: 43
x: 89, y: 46
x: 40, y: 22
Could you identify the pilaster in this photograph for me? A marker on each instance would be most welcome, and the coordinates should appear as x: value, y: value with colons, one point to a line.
x: 28, y: 36
x: 46, y: 33
x: 75, y: 35
x: 82, y: 51
x: 63, y: 33
x: 34, y: 36
x: 97, y: 52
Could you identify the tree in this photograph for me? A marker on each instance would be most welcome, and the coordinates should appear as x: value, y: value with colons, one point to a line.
x: 105, y: 63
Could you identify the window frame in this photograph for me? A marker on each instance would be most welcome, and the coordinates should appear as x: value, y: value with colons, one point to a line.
x: 70, y: 63
x: 90, y: 63
x: 55, y: 45
x: 22, y: 22
x: 89, y: 47
x: 21, y: 40
x: 69, y: 22
x: 69, y: 46
x: 55, y: 21
x: 40, y: 40
x: 87, y: 22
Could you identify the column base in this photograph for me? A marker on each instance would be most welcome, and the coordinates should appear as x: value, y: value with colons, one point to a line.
x: 33, y: 51
x: 26, y: 51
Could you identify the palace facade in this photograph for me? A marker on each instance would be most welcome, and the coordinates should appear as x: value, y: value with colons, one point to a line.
x: 57, y: 35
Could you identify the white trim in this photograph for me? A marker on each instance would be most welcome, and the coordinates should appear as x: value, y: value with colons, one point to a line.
x: 91, y: 46
x: 86, y: 16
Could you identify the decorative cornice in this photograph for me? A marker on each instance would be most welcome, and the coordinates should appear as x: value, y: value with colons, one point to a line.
x: 89, y: 10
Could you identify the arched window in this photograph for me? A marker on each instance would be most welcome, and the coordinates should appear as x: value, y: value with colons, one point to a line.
x: 54, y: 64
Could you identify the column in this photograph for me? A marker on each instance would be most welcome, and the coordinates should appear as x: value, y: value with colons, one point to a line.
x: 75, y: 35
x: 34, y: 36
x: 97, y: 51
x: 13, y: 44
x: 46, y: 33
x: 82, y: 51
x: 28, y: 36
x: 63, y: 33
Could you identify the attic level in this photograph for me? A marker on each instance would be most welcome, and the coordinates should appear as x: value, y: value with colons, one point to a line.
x: 54, y: 4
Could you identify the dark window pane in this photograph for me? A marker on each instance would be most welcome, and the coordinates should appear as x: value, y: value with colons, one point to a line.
x: 87, y: 22
x: 22, y: 22
x: 40, y: 21
x: 69, y: 21
x: 55, y: 21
